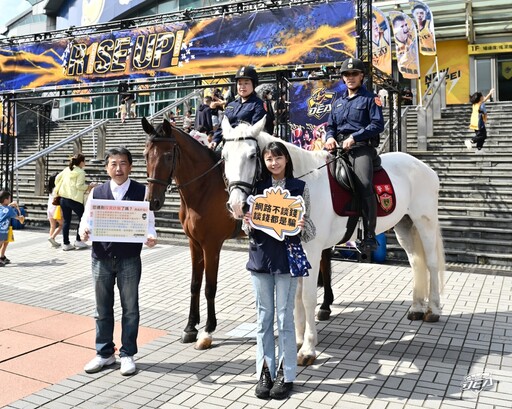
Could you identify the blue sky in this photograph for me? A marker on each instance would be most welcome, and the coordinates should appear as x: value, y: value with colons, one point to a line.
x: 11, y: 8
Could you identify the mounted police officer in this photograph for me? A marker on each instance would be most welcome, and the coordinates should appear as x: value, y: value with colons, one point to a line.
x: 355, y: 122
x: 247, y: 107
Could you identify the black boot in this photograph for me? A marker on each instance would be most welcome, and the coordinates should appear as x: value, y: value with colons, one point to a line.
x: 264, y: 384
x: 281, y: 389
x: 369, y: 244
x: 369, y: 211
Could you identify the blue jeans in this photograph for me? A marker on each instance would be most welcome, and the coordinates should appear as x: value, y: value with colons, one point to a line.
x: 284, y: 286
x: 68, y: 206
x: 127, y: 271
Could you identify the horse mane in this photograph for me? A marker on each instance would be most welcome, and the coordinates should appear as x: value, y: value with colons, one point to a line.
x: 185, y: 138
x: 303, y: 161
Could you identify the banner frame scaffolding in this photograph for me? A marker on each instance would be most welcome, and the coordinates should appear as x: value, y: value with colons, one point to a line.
x: 279, y: 75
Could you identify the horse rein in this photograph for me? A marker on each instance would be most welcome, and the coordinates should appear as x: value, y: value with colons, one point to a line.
x: 336, y: 157
x: 240, y: 184
x: 178, y: 187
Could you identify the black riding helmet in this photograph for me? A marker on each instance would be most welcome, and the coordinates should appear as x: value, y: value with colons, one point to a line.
x: 352, y: 64
x: 247, y: 73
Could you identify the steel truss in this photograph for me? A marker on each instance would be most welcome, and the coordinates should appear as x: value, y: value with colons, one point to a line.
x: 281, y: 77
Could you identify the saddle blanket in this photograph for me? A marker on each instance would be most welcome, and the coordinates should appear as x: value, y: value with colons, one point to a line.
x: 343, y: 201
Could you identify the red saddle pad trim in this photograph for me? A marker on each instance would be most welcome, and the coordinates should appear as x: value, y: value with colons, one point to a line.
x: 384, y: 195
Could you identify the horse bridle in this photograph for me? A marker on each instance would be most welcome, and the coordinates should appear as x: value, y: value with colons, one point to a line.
x: 176, y: 153
x: 240, y: 184
x: 171, y: 173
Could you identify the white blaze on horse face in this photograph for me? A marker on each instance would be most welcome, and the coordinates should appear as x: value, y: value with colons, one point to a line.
x: 240, y: 166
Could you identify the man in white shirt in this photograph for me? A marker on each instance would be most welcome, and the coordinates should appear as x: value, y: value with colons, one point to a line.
x: 116, y: 261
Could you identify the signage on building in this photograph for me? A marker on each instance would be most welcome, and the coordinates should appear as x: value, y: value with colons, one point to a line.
x: 490, y: 48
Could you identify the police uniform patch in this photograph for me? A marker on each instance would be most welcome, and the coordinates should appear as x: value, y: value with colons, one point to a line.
x: 386, y: 202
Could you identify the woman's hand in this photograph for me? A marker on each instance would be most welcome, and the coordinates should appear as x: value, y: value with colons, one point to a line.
x: 301, y: 223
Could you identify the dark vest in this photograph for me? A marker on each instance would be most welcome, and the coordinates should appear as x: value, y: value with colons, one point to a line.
x: 101, y: 249
x: 266, y: 254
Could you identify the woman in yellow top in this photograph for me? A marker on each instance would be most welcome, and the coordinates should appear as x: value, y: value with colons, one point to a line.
x: 70, y: 186
x: 478, y: 120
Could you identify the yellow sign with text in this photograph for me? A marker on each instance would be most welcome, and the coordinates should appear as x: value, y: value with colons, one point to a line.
x: 452, y: 59
x: 276, y: 213
x: 490, y: 48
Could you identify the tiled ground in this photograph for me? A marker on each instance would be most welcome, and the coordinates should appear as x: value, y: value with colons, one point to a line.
x: 369, y: 354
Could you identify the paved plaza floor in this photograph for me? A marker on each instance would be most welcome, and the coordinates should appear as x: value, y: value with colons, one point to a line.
x: 369, y: 354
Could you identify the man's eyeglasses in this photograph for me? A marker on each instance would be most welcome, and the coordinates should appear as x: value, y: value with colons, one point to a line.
x: 351, y: 73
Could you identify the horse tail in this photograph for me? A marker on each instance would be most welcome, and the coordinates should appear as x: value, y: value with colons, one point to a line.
x: 441, y: 258
x: 419, y: 264
x: 421, y: 271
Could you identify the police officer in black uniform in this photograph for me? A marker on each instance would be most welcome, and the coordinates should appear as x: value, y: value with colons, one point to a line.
x: 247, y: 107
x: 355, y: 122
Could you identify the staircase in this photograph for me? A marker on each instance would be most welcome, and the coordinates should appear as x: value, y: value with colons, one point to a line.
x: 129, y: 134
x: 475, y: 200
x: 475, y: 203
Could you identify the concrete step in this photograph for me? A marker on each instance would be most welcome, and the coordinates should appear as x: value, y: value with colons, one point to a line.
x: 475, y: 195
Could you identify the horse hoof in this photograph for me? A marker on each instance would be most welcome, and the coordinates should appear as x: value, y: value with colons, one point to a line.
x: 203, y: 344
x: 188, y: 337
x: 430, y: 317
x: 415, y: 315
x: 305, y: 360
x: 323, y: 315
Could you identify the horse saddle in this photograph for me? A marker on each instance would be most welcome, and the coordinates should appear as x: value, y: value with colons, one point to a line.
x: 345, y: 201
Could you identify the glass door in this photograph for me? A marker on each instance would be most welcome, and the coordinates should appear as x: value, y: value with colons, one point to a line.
x: 504, y: 77
x: 485, y: 78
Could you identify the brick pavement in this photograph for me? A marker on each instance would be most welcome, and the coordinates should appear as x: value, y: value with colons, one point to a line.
x: 369, y: 354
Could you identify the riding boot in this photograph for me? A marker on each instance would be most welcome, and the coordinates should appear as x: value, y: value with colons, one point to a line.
x: 369, y: 211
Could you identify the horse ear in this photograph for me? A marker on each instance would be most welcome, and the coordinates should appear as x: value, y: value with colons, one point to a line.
x: 258, y: 127
x: 148, y: 128
x: 167, y: 127
x: 226, y: 126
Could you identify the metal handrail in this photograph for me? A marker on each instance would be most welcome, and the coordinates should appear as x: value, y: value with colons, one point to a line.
x: 173, y: 105
x: 57, y: 145
x: 434, y: 87
x: 380, y: 149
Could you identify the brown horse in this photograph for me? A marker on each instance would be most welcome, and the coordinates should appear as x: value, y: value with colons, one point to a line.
x: 173, y: 154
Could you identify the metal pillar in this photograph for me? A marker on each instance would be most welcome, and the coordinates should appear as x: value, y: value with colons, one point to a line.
x: 7, y: 148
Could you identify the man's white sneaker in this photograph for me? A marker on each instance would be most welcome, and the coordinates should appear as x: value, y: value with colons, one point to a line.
x: 80, y: 245
x: 127, y: 365
x: 468, y: 144
x: 99, y: 362
x: 67, y: 247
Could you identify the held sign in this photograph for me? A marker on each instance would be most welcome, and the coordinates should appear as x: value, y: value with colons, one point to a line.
x: 276, y: 212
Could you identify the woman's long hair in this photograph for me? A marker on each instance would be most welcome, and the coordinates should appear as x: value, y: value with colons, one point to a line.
x: 76, y: 160
x: 277, y: 149
x: 51, y: 182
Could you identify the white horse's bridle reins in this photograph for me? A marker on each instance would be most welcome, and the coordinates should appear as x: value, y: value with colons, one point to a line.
x: 246, y: 187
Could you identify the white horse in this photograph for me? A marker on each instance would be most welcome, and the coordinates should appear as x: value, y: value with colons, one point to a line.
x: 414, y: 219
